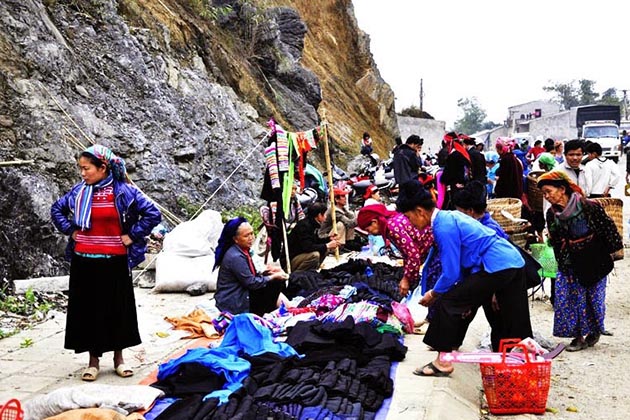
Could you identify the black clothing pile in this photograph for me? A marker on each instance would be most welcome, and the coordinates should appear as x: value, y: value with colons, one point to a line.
x: 380, y: 278
x: 345, y: 373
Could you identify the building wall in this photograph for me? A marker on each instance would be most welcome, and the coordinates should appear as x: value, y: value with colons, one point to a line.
x: 432, y: 131
x: 559, y: 126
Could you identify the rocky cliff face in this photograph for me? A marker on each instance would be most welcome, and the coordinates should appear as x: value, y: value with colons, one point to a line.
x: 179, y: 89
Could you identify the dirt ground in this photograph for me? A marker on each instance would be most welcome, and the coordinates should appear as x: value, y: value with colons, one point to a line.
x: 592, y: 383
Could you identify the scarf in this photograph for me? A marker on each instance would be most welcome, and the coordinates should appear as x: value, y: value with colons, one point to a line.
x: 572, y: 208
x: 454, y: 144
x: 83, y: 202
x: 226, y: 240
x: 115, y: 164
x: 375, y: 211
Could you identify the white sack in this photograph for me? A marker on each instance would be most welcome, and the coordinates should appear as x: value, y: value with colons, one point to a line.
x: 174, y: 273
x: 124, y: 399
x: 196, y: 237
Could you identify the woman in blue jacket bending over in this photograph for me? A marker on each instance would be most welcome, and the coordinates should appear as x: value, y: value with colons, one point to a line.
x: 476, y: 263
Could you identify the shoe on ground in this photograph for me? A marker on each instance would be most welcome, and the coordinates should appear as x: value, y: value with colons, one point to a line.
x: 577, y: 344
x: 592, y: 339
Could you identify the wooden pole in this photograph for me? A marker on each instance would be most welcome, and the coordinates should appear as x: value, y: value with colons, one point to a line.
x: 331, y: 193
x: 16, y: 162
x: 286, y: 245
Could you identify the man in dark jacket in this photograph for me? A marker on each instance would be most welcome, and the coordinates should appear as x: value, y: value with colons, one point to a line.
x: 306, y: 249
x: 477, y: 160
x: 406, y: 162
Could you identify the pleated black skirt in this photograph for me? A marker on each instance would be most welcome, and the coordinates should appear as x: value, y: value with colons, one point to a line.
x: 101, y: 306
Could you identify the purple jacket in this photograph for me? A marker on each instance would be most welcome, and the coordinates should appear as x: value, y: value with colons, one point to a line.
x: 138, y: 216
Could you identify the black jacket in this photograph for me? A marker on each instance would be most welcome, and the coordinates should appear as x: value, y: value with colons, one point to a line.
x: 406, y: 164
x: 303, y: 238
x: 478, y: 163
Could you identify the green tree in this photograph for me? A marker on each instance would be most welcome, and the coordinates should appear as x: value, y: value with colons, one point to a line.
x: 473, y: 118
x: 587, y: 92
x: 610, y: 97
x: 566, y: 94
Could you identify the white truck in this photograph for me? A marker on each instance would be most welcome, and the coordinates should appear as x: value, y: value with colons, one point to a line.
x: 600, y: 124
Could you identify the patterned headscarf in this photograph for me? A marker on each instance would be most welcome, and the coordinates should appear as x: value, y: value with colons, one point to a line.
x: 505, y: 144
x: 492, y: 156
x: 559, y: 179
x: 114, y: 163
x: 374, y: 211
x: 226, y: 240
x: 83, y: 201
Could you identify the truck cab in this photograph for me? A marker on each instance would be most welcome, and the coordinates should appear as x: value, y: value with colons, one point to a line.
x: 606, y: 133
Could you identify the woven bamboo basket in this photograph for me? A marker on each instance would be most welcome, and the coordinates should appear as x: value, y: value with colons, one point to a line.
x: 614, y: 209
x: 510, y: 205
x: 534, y: 194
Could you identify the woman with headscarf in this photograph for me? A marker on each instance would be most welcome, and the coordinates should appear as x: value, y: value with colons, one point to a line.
x: 107, y: 220
x: 412, y: 243
x: 240, y: 288
x: 457, y: 169
x: 510, y: 173
x: 476, y: 263
x: 578, y: 226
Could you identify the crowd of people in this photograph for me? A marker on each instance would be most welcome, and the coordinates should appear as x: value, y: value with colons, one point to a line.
x: 452, y: 249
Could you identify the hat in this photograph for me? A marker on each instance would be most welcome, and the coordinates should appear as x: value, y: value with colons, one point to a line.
x: 369, y: 191
x: 340, y: 191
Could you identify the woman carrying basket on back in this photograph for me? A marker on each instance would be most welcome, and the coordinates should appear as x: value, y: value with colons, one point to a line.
x: 583, y: 237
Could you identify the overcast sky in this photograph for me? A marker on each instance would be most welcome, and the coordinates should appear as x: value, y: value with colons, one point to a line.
x: 501, y: 52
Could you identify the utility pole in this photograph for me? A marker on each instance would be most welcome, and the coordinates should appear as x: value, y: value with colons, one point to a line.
x: 422, y: 96
x: 625, y: 103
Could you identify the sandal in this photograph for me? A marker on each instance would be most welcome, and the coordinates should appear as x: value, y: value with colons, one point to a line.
x: 89, y: 374
x: 124, y: 371
x: 435, y: 371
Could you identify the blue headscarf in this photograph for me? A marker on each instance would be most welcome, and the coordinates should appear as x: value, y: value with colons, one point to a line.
x: 83, y: 202
x: 226, y: 240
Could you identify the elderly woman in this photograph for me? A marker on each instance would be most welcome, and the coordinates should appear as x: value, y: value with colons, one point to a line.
x: 107, y: 220
x: 240, y: 288
x: 583, y: 237
x: 476, y: 263
x: 413, y: 244
x: 510, y: 173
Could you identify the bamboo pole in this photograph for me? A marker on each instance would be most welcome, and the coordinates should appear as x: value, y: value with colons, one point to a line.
x: 16, y: 162
x: 331, y: 190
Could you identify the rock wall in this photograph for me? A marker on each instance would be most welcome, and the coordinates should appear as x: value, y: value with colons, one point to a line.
x: 182, y: 97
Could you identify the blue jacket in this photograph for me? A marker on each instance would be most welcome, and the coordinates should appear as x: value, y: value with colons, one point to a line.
x: 466, y: 246
x: 138, y: 216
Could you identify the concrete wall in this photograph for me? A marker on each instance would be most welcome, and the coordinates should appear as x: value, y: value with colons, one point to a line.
x: 432, y: 131
x: 559, y: 126
x: 546, y: 107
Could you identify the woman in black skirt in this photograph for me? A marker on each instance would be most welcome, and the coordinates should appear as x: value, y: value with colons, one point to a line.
x: 107, y: 220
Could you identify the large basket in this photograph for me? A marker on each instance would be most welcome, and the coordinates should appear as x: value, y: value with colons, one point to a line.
x: 514, y: 387
x: 614, y: 209
x: 545, y: 256
x: 534, y: 194
x: 510, y: 205
x: 12, y: 410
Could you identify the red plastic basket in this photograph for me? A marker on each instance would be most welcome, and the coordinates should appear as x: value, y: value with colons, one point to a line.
x: 12, y: 410
x: 515, y: 387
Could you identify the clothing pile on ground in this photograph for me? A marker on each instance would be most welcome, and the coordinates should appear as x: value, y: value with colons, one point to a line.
x: 334, y: 364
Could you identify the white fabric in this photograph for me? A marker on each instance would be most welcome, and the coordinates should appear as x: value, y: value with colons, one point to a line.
x: 600, y: 174
x: 581, y: 181
x: 124, y: 399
